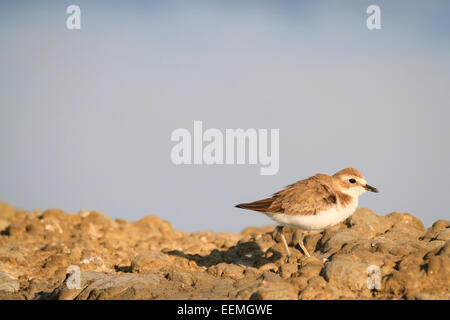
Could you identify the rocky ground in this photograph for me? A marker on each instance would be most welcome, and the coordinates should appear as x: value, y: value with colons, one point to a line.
x: 148, y: 259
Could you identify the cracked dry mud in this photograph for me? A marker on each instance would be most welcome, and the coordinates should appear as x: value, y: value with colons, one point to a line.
x: 148, y: 259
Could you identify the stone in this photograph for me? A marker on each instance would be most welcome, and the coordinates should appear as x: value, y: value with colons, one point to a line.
x: 125, y: 286
x: 368, y: 219
x: 8, y: 284
x: 4, y: 223
x: 275, y: 291
x: 7, y: 211
x: 346, y: 272
x: 148, y: 259
x: 268, y: 266
x: 227, y: 270
x: 314, y: 289
x: 444, y: 235
x: 286, y: 270
x: 437, y: 227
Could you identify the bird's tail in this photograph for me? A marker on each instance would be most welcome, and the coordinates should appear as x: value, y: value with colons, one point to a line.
x: 260, y: 205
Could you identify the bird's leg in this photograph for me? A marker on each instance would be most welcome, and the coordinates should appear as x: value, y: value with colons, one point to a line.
x: 302, y: 244
x: 280, y: 231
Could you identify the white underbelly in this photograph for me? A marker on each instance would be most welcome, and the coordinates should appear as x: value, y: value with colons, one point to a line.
x: 319, y: 221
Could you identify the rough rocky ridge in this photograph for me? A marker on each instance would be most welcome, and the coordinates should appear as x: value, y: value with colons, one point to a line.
x: 366, y: 257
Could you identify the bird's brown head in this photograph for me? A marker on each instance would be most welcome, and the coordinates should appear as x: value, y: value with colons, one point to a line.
x: 352, y: 182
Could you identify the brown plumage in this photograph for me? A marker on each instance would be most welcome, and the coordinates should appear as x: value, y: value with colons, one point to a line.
x: 348, y: 172
x: 305, y: 197
x: 315, y: 203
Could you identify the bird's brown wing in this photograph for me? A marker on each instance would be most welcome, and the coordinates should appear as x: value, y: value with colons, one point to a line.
x: 305, y: 197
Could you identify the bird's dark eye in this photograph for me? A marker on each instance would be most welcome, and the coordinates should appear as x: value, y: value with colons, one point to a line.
x: 352, y: 181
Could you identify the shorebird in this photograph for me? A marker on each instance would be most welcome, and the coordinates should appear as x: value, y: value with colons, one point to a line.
x: 315, y: 203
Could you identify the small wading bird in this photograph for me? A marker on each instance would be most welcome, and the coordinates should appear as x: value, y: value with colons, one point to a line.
x: 315, y: 203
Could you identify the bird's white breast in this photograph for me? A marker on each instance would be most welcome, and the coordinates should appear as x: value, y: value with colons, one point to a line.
x: 321, y: 220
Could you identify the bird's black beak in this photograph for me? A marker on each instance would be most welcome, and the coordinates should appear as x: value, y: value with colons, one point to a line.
x: 370, y: 188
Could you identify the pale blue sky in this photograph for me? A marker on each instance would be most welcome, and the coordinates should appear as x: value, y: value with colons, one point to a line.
x: 86, y: 116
